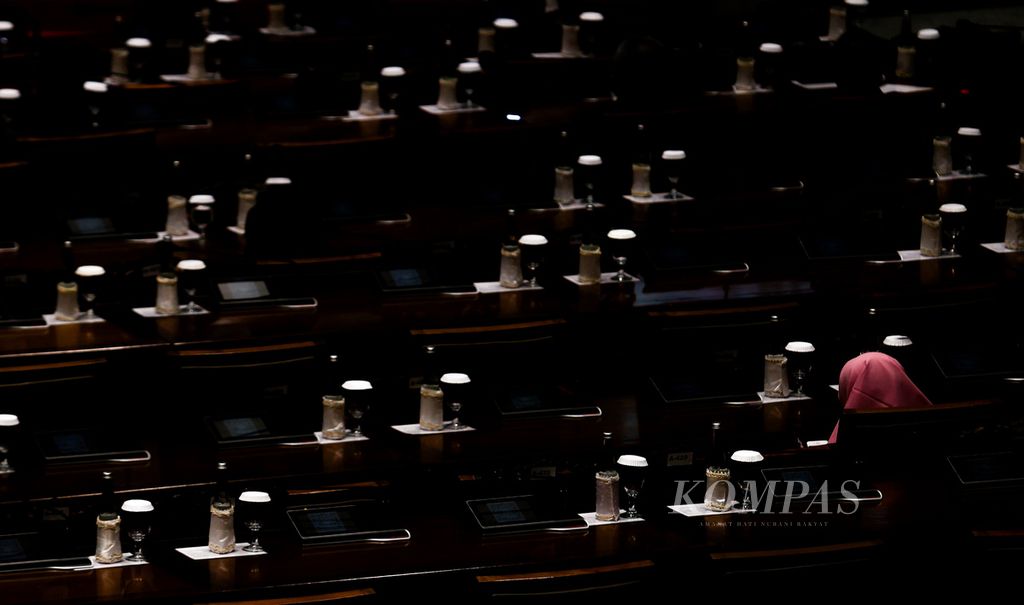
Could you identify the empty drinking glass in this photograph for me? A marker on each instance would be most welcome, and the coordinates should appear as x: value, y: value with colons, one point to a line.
x: 137, y: 519
x: 455, y: 387
x: 954, y: 217
x: 253, y: 509
x: 469, y: 81
x: 589, y: 165
x: 357, y: 402
x: 620, y: 241
x: 88, y: 277
x: 190, y: 272
x: 673, y: 159
x: 632, y: 471
x: 798, y: 358
x: 202, y: 212
x: 532, y: 247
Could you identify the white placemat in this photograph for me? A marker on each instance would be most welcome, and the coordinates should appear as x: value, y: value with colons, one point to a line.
x: 1015, y: 168
x: 999, y: 247
x: 414, y: 429
x: 902, y: 88
x: 287, y: 32
x: 202, y: 553
x: 790, y: 397
x: 355, y: 116
x: 915, y: 255
x: 495, y: 287
x: 592, y: 521
x: 834, y: 387
x: 659, y: 198
x: 606, y: 278
x: 699, y: 510
x: 150, y: 312
x: 437, y: 111
x: 559, y: 55
x: 185, y: 78
x: 121, y: 563
x: 349, y: 438
x: 51, y: 320
x: 574, y: 205
x: 236, y: 230
x: 817, y: 443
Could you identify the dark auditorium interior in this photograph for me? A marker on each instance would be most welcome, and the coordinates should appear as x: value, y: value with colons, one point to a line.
x: 311, y: 301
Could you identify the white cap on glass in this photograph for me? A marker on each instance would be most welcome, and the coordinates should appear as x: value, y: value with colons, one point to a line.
x: 6, y: 26
x: 215, y: 38
x: 968, y: 131
x: 591, y: 17
x: 928, y: 33
x: 798, y: 346
x: 952, y: 208
x: 10, y: 94
x: 9, y: 420
x: 897, y: 340
x: 621, y: 234
x: 278, y: 180
x: 392, y: 71
x: 631, y: 460
x: 533, y: 239
x: 258, y: 497
x: 673, y: 154
x: 469, y: 67
x: 90, y: 271
x: 455, y: 378
x: 191, y: 264
x: 138, y: 43
x: 506, y: 23
x: 856, y: 2
x: 137, y: 506
x: 589, y: 160
x: 92, y: 86
x: 357, y: 385
x: 771, y: 48
x: 747, y: 456
x: 201, y: 198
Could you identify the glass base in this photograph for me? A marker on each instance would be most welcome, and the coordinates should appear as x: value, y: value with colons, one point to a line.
x: 254, y: 547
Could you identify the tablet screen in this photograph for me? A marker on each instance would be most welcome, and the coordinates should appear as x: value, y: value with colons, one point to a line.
x: 243, y: 290
x: 512, y: 512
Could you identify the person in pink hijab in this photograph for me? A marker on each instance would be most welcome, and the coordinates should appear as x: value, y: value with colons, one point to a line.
x: 876, y: 381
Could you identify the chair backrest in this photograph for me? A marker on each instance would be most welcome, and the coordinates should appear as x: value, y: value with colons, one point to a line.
x: 247, y: 377
x: 874, y: 433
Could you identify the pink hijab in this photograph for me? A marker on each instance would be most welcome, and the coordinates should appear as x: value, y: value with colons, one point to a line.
x: 875, y: 381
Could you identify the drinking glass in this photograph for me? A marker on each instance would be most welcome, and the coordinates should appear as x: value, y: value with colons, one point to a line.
x: 619, y: 242
x: 532, y: 247
x: 746, y: 462
x: 202, y: 213
x: 391, y: 83
x: 252, y: 510
x: 589, y: 165
x: 673, y: 159
x: 190, y: 272
x: 88, y: 277
x: 8, y: 427
x: 469, y: 80
x: 954, y: 217
x: 137, y: 517
x: 970, y: 138
x: 357, y: 402
x: 798, y: 358
x: 455, y: 386
x: 632, y: 470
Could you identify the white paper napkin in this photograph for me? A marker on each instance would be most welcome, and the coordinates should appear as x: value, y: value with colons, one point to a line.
x: 202, y: 553
x: 414, y: 429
